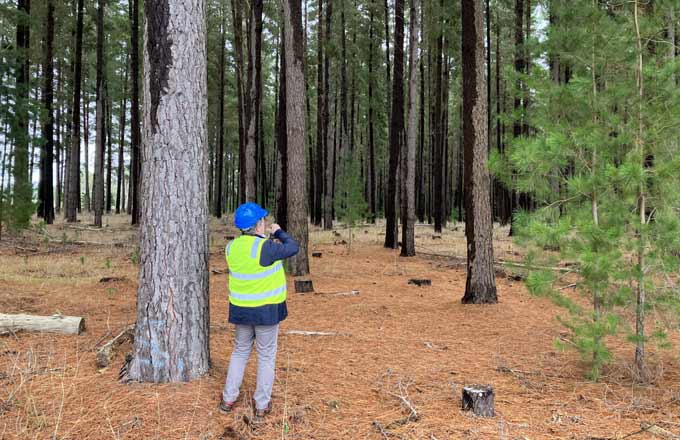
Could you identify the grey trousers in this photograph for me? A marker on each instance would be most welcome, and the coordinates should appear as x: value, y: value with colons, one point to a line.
x: 266, y: 339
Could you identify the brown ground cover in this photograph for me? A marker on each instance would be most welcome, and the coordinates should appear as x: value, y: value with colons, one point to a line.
x: 395, y: 341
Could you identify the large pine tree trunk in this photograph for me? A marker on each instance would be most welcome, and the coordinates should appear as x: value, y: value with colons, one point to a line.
x: 282, y: 139
x: 172, y: 331
x: 219, y: 162
x: 255, y: 59
x: 59, y: 156
x: 98, y: 189
x: 320, y: 134
x: 438, y: 160
x: 329, y: 107
x: 480, y: 287
x: 135, y: 164
x: 396, y: 126
x: 296, y: 125
x: 408, y: 214
x: 46, y: 194
x: 73, y: 193
x: 22, y: 182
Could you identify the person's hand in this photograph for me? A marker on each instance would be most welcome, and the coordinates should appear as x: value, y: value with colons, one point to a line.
x: 275, y: 227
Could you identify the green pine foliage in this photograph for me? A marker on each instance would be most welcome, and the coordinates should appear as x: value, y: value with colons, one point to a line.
x: 597, y: 147
x: 351, y: 204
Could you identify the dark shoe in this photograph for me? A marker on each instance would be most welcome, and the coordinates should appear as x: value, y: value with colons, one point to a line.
x: 261, y: 413
x: 226, y: 407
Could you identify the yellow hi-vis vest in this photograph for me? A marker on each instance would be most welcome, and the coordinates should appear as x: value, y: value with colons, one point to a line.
x: 252, y: 285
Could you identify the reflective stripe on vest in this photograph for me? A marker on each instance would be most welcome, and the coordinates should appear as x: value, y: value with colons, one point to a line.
x: 250, y: 284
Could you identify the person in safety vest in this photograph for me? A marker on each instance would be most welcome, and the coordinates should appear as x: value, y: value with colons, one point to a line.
x: 257, y: 302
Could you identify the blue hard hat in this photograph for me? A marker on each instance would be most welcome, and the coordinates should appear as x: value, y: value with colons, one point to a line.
x: 248, y: 214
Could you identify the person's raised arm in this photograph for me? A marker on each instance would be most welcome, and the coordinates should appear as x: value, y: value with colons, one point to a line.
x: 273, y: 251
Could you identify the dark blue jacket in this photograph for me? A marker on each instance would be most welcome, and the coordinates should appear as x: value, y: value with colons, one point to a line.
x: 270, y: 314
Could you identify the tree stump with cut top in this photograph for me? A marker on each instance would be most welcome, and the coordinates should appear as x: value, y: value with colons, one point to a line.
x: 316, y: 254
x: 304, y: 286
x: 479, y: 399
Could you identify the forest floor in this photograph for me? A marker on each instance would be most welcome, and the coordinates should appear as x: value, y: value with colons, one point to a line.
x: 394, y: 341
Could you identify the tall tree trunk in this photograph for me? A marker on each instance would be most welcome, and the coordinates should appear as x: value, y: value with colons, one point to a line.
x: 237, y: 23
x: 438, y: 160
x: 98, y: 188
x: 120, y: 189
x: 420, y: 186
x: 320, y: 133
x: 388, y: 67
x: 219, y: 163
x: 22, y: 196
x: 255, y: 59
x: 480, y: 287
x: 58, y: 144
x: 46, y: 191
x: 371, y: 128
x: 172, y: 331
x: 296, y: 125
x: 86, y: 150
x: 73, y: 193
x: 408, y: 214
x: 328, y: 108
x: 517, y: 126
x: 109, y: 147
x: 396, y: 126
x: 135, y: 148
x: 282, y: 138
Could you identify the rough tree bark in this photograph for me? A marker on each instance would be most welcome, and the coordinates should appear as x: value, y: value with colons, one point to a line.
x: 480, y: 287
x: 172, y: 331
x: 73, y: 193
x: 408, y: 214
x: 46, y: 193
x: 371, y: 129
x: 135, y: 163
x: 282, y: 139
x: 396, y: 126
x: 255, y: 60
x: 296, y: 126
x: 120, y: 189
x: 100, y: 142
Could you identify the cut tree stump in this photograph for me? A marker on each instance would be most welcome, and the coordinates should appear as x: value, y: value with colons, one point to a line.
x: 316, y: 254
x: 106, y: 352
x: 230, y: 237
x: 112, y: 279
x: 69, y: 325
x: 420, y: 282
x: 479, y: 399
x: 304, y: 286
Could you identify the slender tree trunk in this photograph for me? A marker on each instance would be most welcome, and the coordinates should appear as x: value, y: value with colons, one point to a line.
x: 296, y: 125
x: 282, y: 138
x: 438, y: 160
x: 120, y: 190
x: 46, y: 191
x: 388, y: 67
x: 408, y: 214
x: 22, y: 196
x: 320, y: 109
x: 480, y: 287
x: 86, y: 150
x: 518, y: 127
x: 237, y: 23
x: 371, y: 128
x: 109, y: 147
x: 420, y: 186
x: 219, y: 163
x: 329, y: 107
x: 98, y: 189
x: 172, y: 331
x: 73, y: 193
x: 58, y: 144
x: 135, y: 163
x: 255, y: 58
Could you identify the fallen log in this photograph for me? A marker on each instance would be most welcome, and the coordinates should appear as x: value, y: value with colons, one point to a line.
x: 112, y: 279
x: 420, y: 282
x: 658, y: 431
x: 306, y: 333
x: 106, y: 352
x: 350, y: 293
x: 316, y: 254
x: 69, y: 325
